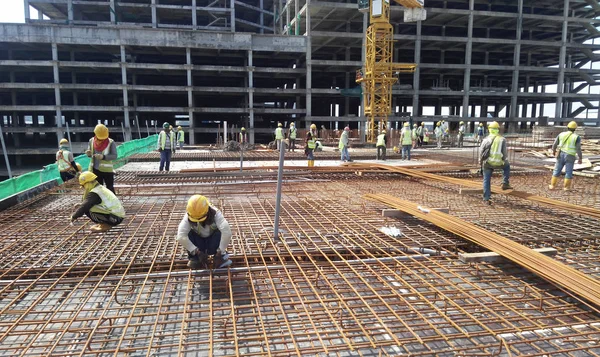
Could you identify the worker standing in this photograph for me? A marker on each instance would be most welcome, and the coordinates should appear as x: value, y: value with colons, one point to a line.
x: 344, y: 144
x: 461, y: 134
x: 313, y: 131
x: 180, y: 137
x: 566, y: 146
x: 406, y: 141
x: 309, y: 149
x: 292, y: 134
x: 279, y: 135
x: 414, y: 135
x: 65, y: 162
x: 203, y: 231
x: 480, y: 133
x: 420, y: 135
x: 243, y: 136
x: 102, y: 151
x: 99, y: 204
x: 445, y: 130
x: 166, y: 146
x: 439, y: 134
x: 493, y: 155
x: 381, y: 145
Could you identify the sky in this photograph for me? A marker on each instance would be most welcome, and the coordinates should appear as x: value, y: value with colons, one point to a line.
x: 11, y: 11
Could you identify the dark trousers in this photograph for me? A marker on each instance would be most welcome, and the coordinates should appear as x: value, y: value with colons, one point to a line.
x: 109, y: 219
x: 381, y: 153
x: 165, y: 160
x: 66, y: 176
x: 420, y: 143
x: 106, y: 178
x: 292, y: 145
x: 208, y: 245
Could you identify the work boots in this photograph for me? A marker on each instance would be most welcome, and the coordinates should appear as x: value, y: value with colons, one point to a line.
x: 506, y: 186
x: 567, y: 184
x: 221, y: 260
x: 100, y: 227
x: 553, y: 182
x: 197, y: 260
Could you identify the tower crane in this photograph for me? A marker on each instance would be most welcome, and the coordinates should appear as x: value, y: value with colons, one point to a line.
x: 379, y: 73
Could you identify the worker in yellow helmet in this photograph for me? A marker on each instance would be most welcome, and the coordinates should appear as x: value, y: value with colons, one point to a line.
x: 99, y: 204
x: 480, y: 133
x: 566, y: 146
x: 65, y: 162
x: 166, y: 147
x: 415, y: 135
x: 313, y: 131
x: 309, y: 149
x: 103, y: 151
x: 292, y: 135
x: 243, y: 136
x: 381, y: 145
x: 279, y: 135
x: 439, y: 134
x: 406, y: 141
x: 461, y: 134
x: 180, y: 137
x: 493, y: 154
x: 203, y: 231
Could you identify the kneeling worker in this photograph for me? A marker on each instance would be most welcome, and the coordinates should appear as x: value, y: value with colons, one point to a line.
x: 99, y: 204
x: 203, y: 231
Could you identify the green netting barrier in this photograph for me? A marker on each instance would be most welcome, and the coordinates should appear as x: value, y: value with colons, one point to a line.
x: 50, y: 172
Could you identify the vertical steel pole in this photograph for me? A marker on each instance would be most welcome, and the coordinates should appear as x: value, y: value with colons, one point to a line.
x: 69, y: 135
x: 5, y: 152
x: 279, y: 179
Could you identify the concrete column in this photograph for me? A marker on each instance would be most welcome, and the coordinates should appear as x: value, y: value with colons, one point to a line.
x: 250, y: 98
x: 513, y: 114
x: 75, y: 99
x: 57, y: 102
x: 308, y: 67
x: 26, y: 8
x: 194, y: 16
x: 70, y: 11
x: 363, y: 56
x: 154, y: 18
x: 468, y: 53
x: 190, y: 93
x: 415, y: 98
x: 232, y: 15
x: 347, y: 76
x: 113, y: 12
x: 287, y: 18
x: 125, y: 96
x: 561, y: 65
x: 296, y: 20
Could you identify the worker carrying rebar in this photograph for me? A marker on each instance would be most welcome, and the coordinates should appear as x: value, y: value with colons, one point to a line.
x: 406, y: 141
x: 381, y: 145
x: 414, y: 135
x: 279, y: 135
x: 180, y: 137
x: 493, y: 155
x: 439, y: 134
x: 99, y: 204
x: 65, y: 162
x: 344, y: 144
x: 566, y: 146
x: 480, y: 133
x: 204, y: 231
x: 461, y: 134
x: 166, y: 147
x: 309, y: 149
x: 103, y: 151
x: 292, y: 134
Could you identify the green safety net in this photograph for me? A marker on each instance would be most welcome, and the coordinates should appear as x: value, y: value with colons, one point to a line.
x: 50, y: 172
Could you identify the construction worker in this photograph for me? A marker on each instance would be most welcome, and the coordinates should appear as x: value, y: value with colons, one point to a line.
x: 99, y: 204
x: 414, y: 135
x: 279, y: 135
x: 566, y: 145
x: 65, y: 162
x: 309, y: 148
x: 420, y: 134
x: 102, y: 151
x: 439, y: 134
x: 480, y: 133
x: 203, y: 231
x: 461, y: 134
x: 445, y: 130
x: 344, y: 143
x: 381, y: 145
x: 424, y: 135
x: 313, y: 131
x: 406, y: 141
x: 166, y: 146
x: 243, y: 136
x: 292, y: 134
x: 493, y: 155
x: 180, y: 137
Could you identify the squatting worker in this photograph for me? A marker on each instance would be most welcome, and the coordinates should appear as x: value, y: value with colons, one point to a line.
x: 102, y: 151
x: 203, y: 231
x: 99, y: 204
x: 65, y: 162
x: 565, y: 147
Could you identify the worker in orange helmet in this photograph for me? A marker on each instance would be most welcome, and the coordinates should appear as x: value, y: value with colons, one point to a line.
x: 103, y: 151
x: 203, y: 231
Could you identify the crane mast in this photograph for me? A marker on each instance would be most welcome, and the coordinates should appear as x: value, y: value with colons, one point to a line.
x: 379, y: 72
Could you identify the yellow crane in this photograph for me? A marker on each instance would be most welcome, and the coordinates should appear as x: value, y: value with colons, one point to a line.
x: 379, y: 72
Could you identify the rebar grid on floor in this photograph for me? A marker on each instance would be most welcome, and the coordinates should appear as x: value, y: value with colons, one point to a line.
x: 334, y: 284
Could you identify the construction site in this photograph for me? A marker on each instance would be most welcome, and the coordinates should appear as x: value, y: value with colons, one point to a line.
x: 340, y: 256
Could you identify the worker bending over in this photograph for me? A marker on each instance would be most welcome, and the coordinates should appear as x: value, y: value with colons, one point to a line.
x: 406, y: 141
x: 102, y: 151
x: 493, y: 155
x: 203, y: 231
x: 99, y: 204
x: 565, y: 147
x: 65, y: 162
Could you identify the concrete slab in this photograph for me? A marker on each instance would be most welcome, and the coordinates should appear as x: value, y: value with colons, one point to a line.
x: 492, y: 257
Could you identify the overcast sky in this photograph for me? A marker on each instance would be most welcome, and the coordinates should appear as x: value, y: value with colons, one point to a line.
x: 11, y: 11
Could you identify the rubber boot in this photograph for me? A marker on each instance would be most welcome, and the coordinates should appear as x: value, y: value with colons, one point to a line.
x: 553, y: 182
x: 568, y: 183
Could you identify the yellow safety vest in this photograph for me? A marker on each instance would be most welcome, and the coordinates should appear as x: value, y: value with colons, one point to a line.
x: 293, y: 133
x: 312, y: 144
x: 62, y: 160
x: 495, y: 158
x: 110, y: 203
x: 381, y: 140
x: 105, y: 166
x: 279, y: 134
x: 180, y: 136
x: 163, y: 140
x: 406, y: 139
x: 567, y: 142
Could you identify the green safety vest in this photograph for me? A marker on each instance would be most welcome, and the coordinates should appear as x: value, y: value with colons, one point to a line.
x: 381, y: 140
x: 110, y: 203
x: 568, y: 142
x: 343, y: 138
x: 312, y: 144
x: 279, y: 134
x: 495, y: 158
x: 292, y: 133
x: 62, y: 160
x: 420, y: 131
x: 406, y: 139
x: 105, y: 165
x: 180, y: 136
x: 162, y: 137
x: 414, y: 133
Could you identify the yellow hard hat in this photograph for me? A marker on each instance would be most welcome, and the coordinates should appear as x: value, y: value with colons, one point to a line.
x: 63, y: 142
x: 313, y: 126
x: 292, y: 124
x: 87, y: 177
x: 462, y: 122
x: 439, y: 123
x: 572, y: 125
x: 383, y: 131
x: 494, y: 125
x: 171, y: 127
x: 406, y: 124
x: 415, y: 125
x: 78, y: 166
x: 422, y: 124
x: 480, y: 124
x: 179, y: 128
x: 395, y: 148
x: 243, y: 129
x: 101, y: 132
x: 197, y: 208
x: 279, y: 125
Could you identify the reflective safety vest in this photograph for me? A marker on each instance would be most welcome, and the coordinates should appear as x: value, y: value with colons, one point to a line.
x: 343, y: 139
x: 414, y: 134
x: 110, y: 203
x: 62, y: 160
x: 406, y: 139
x: 279, y: 134
x: 243, y: 138
x: 312, y: 144
x: 105, y: 165
x: 461, y: 129
x: 293, y: 133
x: 381, y: 140
x: 180, y: 136
x: 495, y: 158
x: 420, y: 131
x: 567, y: 142
x: 162, y: 139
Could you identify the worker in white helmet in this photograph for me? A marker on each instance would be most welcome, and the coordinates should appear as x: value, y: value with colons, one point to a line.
x: 292, y: 135
x: 344, y: 144
x: 279, y: 135
x: 406, y: 141
x: 439, y: 134
x: 461, y: 134
x: 566, y: 146
x: 65, y: 162
x: 99, y: 204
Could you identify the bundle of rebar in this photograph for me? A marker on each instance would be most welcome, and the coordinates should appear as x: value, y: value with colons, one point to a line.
x: 549, y: 269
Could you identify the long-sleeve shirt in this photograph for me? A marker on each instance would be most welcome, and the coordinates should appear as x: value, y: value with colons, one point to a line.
x: 577, y: 146
x: 205, y: 231
x: 486, y: 145
x: 91, y: 199
x: 344, y: 138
